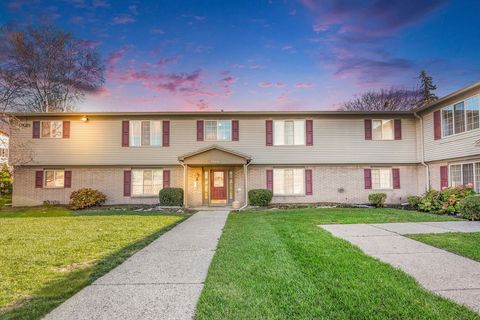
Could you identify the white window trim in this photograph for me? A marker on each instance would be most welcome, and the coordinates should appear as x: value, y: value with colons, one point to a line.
x: 290, y: 145
x: 45, y: 179
x: 474, y: 162
x: 50, y: 137
x: 216, y: 120
x: 391, y: 178
x: 453, y: 118
x: 144, y: 195
x: 393, y: 130
x: 140, y: 146
x: 288, y: 194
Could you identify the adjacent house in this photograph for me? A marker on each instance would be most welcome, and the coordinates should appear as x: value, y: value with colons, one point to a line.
x: 216, y: 157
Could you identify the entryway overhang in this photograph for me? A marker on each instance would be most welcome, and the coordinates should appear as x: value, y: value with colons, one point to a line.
x: 215, y: 155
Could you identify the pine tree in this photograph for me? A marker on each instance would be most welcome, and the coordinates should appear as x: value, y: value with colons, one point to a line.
x: 427, y: 88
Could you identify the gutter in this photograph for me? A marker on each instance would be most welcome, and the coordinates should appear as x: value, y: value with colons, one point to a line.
x: 427, y: 169
x: 245, y: 172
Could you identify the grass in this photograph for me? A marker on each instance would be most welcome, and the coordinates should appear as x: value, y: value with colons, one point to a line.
x: 463, y: 244
x: 281, y: 265
x: 49, y: 253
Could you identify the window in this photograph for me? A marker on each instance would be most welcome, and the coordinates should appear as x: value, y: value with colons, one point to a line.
x: 218, y: 130
x: 147, y: 182
x: 52, y: 129
x: 3, y: 153
x: 460, y: 117
x: 145, y: 133
x: 465, y: 173
x: 289, y: 132
x: 382, y: 129
x: 289, y: 181
x: 382, y: 178
x: 54, y: 178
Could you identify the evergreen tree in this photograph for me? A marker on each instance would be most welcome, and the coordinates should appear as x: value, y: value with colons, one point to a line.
x: 427, y: 88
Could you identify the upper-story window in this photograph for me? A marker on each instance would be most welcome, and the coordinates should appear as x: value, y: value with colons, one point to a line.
x: 52, y: 129
x: 289, y: 132
x: 460, y: 117
x: 382, y: 129
x: 218, y: 130
x: 145, y: 133
x: 54, y: 178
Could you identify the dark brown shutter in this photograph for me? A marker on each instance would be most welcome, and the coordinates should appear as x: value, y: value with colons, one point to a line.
x: 166, y: 178
x: 308, y: 182
x: 396, y: 178
x: 269, y: 132
x: 125, y: 133
x: 368, y: 129
x: 270, y: 180
x: 235, y: 130
x: 397, y: 125
x: 38, y: 179
x: 367, y: 175
x: 309, y: 132
x: 443, y: 177
x: 437, y: 125
x: 66, y: 129
x: 127, y: 183
x: 166, y: 133
x: 199, y: 130
x: 67, y: 182
x: 36, y: 129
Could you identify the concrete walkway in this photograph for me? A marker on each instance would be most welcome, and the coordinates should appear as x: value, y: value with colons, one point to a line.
x: 442, y: 272
x: 162, y: 281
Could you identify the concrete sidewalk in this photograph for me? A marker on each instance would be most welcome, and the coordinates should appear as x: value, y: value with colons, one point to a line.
x: 162, y: 281
x: 442, y: 272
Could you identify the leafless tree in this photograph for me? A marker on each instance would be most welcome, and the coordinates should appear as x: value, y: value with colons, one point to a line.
x: 393, y: 99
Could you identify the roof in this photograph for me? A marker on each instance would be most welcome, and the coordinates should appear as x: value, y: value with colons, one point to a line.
x: 449, y: 96
x: 214, y: 147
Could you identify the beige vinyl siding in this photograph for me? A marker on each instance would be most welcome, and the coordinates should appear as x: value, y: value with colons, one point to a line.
x: 337, y: 139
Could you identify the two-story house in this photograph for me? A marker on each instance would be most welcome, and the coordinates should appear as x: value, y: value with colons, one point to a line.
x: 216, y: 157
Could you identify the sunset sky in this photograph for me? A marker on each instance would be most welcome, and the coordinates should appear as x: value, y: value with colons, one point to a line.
x: 263, y: 55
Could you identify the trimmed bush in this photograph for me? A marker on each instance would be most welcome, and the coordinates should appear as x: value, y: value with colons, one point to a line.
x: 260, y: 197
x: 469, y: 208
x: 377, y: 199
x: 414, y: 201
x: 85, y: 198
x: 171, y: 197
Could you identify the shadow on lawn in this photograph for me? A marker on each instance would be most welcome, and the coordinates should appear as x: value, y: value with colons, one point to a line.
x: 56, y: 292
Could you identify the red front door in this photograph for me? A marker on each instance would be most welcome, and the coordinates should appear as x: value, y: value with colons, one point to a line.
x: 218, y: 185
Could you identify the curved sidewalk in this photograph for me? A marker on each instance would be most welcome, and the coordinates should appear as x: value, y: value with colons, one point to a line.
x: 162, y: 281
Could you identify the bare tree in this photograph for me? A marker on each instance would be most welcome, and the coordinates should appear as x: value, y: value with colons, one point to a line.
x: 393, y: 99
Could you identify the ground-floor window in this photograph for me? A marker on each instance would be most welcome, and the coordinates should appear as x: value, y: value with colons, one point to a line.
x: 381, y: 178
x: 54, y: 178
x: 465, y: 173
x: 289, y: 181
x: 146, y: 182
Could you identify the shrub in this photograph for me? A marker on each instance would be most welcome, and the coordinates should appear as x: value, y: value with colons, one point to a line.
x: 469, y: 208
x: 85, y: 198
x: 5, y: 180
x: 446, y: 201
x: 414, y: 201
x: 377, y: 199
x: 171, y: 197
x: 260, y: 197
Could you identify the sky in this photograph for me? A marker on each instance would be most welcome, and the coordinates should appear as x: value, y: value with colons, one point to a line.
x: 210, y: 55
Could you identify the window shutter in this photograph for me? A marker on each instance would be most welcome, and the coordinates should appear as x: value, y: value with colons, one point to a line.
x: 437, y: 126
x: 66, y: 129
x: 67, y: 182
x: 38, y: 179
x: 367, y: 175
x: 270, y: 180
x: 199, y: 130
x: 443, y: 177
x: 166, y: 133
x: 309, y: 132
x: 235, y: 130
x: 36, y: 130
x: 127, y: 183
x: 166, y: 178
x: 125, y: 133
x: 308, y: 182
x: 269, y: 132
x: 368, y: 129
x: 397, y: 127
x: 396, y: 178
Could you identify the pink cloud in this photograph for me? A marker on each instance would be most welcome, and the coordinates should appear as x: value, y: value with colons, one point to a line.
x: 279, y: 85
x: 265, y: 84
x: 123, y: 19
x: 304, y: 85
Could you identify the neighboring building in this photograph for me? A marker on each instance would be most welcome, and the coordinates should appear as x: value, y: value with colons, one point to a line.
x: 303, y: 157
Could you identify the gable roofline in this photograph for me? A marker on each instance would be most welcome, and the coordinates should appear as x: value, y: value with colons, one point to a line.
x: 214, y: 147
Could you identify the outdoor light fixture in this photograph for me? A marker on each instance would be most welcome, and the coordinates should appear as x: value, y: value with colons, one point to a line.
x: 84, y: 119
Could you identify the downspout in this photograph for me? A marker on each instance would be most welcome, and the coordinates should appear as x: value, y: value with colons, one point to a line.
x: 245, y: 173
x: 427, y: 169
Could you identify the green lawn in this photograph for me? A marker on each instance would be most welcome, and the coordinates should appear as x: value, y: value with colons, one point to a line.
x: 280, y: 265
x: 48, y: 254
x: 464, y: 244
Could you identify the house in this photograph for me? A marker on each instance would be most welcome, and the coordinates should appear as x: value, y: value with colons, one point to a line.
x: 4, y: 144
x: 216, y: 157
